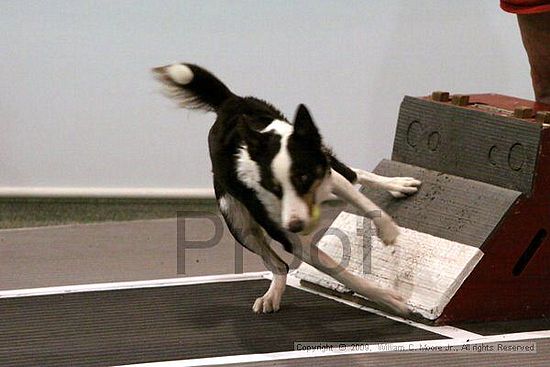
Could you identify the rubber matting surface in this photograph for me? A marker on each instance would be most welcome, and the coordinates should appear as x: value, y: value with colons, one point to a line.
x: 177, y: 322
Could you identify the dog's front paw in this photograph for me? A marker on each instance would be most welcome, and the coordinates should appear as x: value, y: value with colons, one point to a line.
x: 400, y: 187
x: 388, y: 231
x: 269, y: 302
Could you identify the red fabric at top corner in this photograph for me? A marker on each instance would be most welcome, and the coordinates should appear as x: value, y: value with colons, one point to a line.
x: 525, y: 6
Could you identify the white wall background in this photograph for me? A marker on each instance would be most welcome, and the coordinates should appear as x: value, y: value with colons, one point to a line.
x: 78, y: 106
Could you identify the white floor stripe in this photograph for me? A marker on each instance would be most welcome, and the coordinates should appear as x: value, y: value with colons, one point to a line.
x: 132, y: 285
x: 375, y: 348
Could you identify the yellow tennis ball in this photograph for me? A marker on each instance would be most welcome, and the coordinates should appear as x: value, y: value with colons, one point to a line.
x: 315, y: 214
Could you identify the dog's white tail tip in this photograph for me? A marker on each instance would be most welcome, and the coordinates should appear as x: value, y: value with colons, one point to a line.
x: 180, y: 73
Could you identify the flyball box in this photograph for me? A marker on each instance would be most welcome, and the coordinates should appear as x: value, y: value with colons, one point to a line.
x: 474, y: 243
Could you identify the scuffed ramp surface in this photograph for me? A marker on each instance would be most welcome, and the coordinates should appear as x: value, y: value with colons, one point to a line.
x: 426, y: 270
x: 446, y: 206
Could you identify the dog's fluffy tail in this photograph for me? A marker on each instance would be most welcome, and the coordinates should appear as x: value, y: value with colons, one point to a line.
x: 192, y: 86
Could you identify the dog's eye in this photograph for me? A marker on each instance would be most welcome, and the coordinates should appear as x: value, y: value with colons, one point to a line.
x: 319, y: 171
x: 302, y: 182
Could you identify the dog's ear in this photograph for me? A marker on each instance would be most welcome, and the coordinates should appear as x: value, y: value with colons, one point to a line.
x: 304, y: 127
x: 252, y: 138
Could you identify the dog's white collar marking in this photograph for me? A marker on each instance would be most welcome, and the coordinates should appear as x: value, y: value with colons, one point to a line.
x: 279, y: 127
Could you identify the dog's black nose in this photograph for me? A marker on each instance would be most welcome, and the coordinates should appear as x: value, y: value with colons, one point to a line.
x: 296, y: 226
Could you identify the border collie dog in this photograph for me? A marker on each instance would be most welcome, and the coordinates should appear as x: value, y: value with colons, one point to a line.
x: 270, y: 175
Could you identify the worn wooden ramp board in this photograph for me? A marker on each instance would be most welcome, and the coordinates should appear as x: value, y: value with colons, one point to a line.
x: 425, y: 269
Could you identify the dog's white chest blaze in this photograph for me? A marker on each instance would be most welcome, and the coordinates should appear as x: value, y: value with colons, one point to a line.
x: 248, y: 172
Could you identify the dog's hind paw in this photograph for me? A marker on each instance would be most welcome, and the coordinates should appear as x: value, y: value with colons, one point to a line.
x: 269, y: 302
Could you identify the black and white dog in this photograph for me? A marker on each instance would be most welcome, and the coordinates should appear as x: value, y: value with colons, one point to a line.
x: 270, y: 176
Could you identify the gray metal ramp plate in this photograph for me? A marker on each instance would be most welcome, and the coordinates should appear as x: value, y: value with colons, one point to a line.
x: 495, y: 149
x: 446, y: 206
x: 178, y: 322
